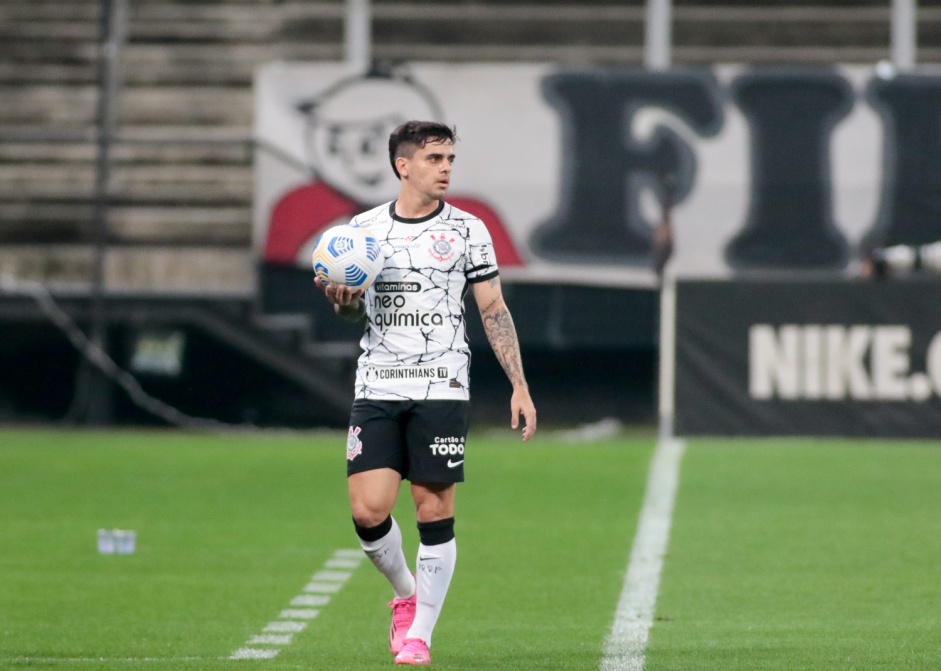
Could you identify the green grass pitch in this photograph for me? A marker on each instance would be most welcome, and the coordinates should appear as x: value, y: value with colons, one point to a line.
x: 783, y: 554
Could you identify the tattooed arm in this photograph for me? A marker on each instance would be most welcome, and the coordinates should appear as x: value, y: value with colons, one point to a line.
x: 501, y: 332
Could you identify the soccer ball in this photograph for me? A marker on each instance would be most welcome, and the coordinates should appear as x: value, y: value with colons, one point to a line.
x: 347, y: 255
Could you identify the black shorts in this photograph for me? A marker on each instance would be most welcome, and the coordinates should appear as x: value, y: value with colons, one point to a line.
x: 422, y: 440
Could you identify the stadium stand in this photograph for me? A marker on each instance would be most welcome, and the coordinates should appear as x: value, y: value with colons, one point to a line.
x: 180, y: 197
x: 181, y: 183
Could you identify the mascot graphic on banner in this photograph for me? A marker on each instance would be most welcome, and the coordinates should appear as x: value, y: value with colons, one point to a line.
x: 346, y: 134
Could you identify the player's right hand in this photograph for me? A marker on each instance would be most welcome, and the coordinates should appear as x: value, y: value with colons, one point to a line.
x: 340, y: 294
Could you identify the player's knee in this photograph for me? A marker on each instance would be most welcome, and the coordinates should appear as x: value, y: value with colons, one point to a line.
x: 373, y: 532
x: 367, y: 515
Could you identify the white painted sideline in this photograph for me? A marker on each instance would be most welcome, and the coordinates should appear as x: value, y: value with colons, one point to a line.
x: 626, y: 645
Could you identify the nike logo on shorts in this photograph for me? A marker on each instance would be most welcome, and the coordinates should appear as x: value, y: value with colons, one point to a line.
x: 454, y: 464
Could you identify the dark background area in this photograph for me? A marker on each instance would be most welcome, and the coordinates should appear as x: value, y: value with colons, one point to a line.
x: 579, y: 370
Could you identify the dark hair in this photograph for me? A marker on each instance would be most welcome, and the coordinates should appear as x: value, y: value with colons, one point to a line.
x: 413, y: 135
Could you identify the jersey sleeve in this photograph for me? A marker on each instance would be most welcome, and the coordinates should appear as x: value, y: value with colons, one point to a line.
x: 481, y: 262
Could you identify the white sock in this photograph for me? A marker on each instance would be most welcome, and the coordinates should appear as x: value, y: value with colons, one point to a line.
x: 387, y: 555
x: 435, y: 567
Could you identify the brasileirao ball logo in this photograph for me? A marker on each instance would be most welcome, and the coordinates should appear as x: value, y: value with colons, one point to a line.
x: 347, y: 255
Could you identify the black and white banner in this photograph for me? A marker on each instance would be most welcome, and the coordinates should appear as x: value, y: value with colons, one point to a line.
x: 767, y: 170
x: 814, y: 357
x: 770, y: 168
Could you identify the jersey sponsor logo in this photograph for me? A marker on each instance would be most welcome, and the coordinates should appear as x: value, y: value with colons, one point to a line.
x: 389, y: 311
x: 454, y: 464
x: 448, y: 446
x: 374, y: 374
x: 354, y: 446
x: 397, y: 287
x: 417, y: 319
x: 441, y: 249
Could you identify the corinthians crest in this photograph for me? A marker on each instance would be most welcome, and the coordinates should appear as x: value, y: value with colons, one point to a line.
x: 441, y: 249
x: 354, y: 446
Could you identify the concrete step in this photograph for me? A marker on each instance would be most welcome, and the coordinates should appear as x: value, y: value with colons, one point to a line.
x: 47, y: 73
x: 146, y: 153
x: 231, y: 23
x: 132, y: 133
x: 53, y: 52
x: 579, y: 54
x: 31, y: 222
x: 186, y: 104
x: 149, y: 184
x: 216, y: 64
x: 259, y: 30
x: 239, y: 12
x: 47, y: 31
x: 218, y: 226
x: 775, y: 55
x: 47, y: 104
x: 16, y: 13
x: 555, y: 32
x: 33, y: 152
x: 137, y: 105
x: 797, y: 34
x: 192, y: 270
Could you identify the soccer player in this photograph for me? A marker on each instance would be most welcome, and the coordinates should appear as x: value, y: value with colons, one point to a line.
x: 409, y: 419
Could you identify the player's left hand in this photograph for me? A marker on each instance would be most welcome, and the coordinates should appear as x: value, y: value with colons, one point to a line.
x: 522, y: 404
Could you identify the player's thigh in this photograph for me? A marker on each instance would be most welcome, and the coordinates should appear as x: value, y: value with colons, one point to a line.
x: 375, y: 439
x: 436, y: 434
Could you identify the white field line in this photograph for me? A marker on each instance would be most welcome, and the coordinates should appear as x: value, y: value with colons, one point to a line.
x: 323, y: 587
x: 280, y: 632
x: 299, y: 613
x: 626, y: 644
x: 310, y: 600
x: 270, y: 639
x: 336, y: 576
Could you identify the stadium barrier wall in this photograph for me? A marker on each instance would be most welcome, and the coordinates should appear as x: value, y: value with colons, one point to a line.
x: 808, y: 357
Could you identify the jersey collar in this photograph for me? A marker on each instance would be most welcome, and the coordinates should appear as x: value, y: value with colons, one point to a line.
x: 419, y: 220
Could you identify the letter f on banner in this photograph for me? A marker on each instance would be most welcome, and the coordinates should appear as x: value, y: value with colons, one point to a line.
x: 605, y: 166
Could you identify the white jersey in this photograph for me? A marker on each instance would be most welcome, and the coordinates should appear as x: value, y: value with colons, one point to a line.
x: 415, y: 345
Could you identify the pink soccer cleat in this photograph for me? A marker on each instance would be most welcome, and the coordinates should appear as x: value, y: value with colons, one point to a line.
x: 415, y: 653
x: 403, y: 613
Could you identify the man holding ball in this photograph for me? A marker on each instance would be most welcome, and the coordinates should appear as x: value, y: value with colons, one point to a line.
x: 409, y: 419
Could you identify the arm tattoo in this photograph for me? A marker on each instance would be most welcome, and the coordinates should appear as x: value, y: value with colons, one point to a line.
x: 501, y: 333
